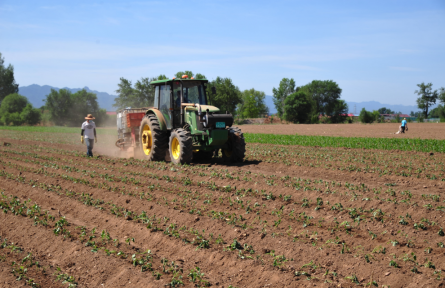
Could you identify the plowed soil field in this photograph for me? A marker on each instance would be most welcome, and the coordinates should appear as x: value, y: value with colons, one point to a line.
x: 378, y: 130
x: 288, y: 216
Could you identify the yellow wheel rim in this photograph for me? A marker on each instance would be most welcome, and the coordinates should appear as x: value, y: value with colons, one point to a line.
x: 176, y: 148
x: 228, y: 153
x: 146, y: 139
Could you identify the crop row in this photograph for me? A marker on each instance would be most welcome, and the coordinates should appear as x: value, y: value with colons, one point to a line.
x: 101, y: 242
x: 364, y: 161
x: 420, y: 166
x: 326, y: 188
x: 25, y: 267
x: 348, y: 227
x: 403, y: 144
x: 291, y: 183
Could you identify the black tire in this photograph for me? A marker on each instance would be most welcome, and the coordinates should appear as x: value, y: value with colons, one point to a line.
x: 236, y: 146
x: 181, y: 146
x: 158, y: 142
x: 202, y: 156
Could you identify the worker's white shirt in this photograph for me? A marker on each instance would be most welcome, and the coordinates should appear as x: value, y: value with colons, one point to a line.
x: 89, y: 129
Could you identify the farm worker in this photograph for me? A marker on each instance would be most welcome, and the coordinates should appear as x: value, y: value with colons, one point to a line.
x: 89, y: 128
x: 404, y: 125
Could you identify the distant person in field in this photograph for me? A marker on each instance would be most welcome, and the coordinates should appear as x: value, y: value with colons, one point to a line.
x: 404, y: 125
x: 89, y: 129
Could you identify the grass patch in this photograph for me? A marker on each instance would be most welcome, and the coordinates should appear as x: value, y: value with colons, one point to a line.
x: 404, y: 144
x: 57, y: 129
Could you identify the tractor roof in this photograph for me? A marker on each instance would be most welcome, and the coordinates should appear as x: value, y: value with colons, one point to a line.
x: 176, y: 79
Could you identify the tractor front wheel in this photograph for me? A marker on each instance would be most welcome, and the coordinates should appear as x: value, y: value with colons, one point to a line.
x: 153, y: 141
x: 236, y: 146
x: 181, y: 146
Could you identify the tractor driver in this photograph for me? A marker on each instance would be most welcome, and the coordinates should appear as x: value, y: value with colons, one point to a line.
x: 178, y: 99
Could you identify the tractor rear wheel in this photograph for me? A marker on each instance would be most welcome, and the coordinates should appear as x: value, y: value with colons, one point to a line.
x: 153, y: 141
x: 236, y: 146
x: 181, y: 146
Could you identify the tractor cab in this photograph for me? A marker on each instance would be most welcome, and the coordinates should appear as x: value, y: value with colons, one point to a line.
x: 172, y: 96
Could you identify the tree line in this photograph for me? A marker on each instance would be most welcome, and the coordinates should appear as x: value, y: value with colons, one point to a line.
x: 427, y: 98
x: 228, y: 97
x: 61, y: 107
x: 14, y: 108
x: 305, y: 104
x: 295, y: 104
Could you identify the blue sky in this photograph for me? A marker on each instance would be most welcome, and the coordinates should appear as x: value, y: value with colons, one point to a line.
x: 374, y: 50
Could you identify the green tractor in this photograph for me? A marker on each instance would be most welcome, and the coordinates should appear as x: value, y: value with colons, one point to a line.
x: 182, y: 125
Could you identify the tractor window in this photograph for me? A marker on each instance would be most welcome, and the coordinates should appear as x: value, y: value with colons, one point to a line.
x: 193, y: 92
x: 176, y: 103
x: 164, y: 103
x: 177, y: 94
x: 156, y: 103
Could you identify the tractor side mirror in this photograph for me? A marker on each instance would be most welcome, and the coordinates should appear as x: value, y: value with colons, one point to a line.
x: 213, y: 90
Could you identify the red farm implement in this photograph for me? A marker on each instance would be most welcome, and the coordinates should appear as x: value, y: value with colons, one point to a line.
x: 128, y: 122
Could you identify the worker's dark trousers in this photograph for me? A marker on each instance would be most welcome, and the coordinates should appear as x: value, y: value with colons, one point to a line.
x: 90, y: 144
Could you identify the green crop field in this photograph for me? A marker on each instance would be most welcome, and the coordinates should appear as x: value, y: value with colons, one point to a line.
x: 404, y: 144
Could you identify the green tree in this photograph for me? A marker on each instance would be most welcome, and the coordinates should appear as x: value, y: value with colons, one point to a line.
x: 427, y: 97
x: 441, y: 113
x: 438, y: 112
x: 86, y: 103
x: 442, y: 95
x: 16, y: 110
x: 366, y: 116
x: 141, y: 95
x: 297, y: 108
x: 415, y: 114
x: 30, y: 115
x: 7, y: 81
x: 227, y: 96
x: 339, y: 112
x: 200, y: 76
x: 325, y: 94
x: 68, y: 109
x: 252, y: 105
x: 285, y: 88
x: 377, y: 117
x: 385, y: 110
x: 59, y: 104
x: 190, y: 74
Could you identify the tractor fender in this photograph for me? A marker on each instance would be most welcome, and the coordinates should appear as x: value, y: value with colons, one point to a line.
x: 159, y: 116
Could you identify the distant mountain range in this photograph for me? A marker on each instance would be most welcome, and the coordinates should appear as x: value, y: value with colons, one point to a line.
x: 36, y: 94
x: 356, y: 107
